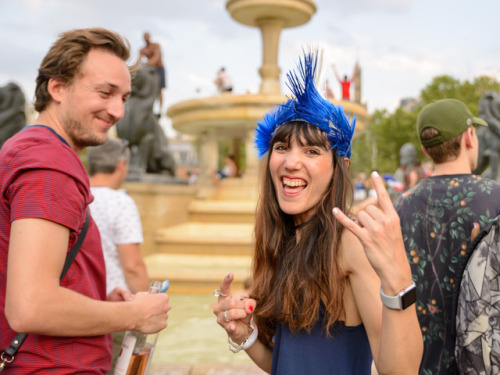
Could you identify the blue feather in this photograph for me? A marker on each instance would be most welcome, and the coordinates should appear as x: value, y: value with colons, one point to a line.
x: 308, y: 105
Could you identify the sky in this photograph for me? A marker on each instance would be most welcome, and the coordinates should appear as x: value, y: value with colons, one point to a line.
x: 400, y: 45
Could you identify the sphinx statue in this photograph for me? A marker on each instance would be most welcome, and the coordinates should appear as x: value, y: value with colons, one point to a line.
x: 12, y: 111
x: 488, y: 162
x: 140, y: 126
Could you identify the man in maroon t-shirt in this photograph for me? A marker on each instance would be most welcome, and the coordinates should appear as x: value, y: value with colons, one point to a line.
x: 82, y: 86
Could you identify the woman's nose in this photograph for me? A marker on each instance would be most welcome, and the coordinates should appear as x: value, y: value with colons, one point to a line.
x: 293, y: 160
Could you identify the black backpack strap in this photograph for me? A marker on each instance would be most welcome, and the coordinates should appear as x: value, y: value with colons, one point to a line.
x: 76, y: 247
x: 8, y: 355
x: 14, y: 346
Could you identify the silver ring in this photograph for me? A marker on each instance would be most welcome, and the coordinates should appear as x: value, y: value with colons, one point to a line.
x: 218, y: 293
x: 225, y: 316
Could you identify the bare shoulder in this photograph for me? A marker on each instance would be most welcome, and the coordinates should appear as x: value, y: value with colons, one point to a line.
x: 352, y: 253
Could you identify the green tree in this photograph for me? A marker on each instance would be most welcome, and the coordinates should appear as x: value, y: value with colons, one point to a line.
x: 377, y: 148
x: 468, y: 92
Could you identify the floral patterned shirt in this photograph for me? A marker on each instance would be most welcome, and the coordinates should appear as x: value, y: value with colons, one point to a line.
x: 439, y: 218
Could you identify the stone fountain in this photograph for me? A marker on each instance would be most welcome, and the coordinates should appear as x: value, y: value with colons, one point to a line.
x: 217, y: 236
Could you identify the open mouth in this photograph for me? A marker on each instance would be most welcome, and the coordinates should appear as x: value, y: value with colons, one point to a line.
x: 293, y: 185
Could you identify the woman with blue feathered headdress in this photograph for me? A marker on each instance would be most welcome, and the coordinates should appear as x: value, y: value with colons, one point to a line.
x: 323, y: 300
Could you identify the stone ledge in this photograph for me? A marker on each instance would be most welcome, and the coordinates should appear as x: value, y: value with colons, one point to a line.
x: 222, y: 207
x: 193, y: 274
x: 206, y: 233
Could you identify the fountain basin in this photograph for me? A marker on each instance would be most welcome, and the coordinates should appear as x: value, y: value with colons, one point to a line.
x: 252, y: 12
x: 226, y: 116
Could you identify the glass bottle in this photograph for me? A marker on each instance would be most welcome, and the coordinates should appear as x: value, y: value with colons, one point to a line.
x: 138, y: 348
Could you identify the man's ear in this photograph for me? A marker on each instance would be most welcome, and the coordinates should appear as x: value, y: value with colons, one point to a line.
x: 55, y: 88
x: 347, y: 162
x: 425, y: 151
x: 468, y: 135
x: 123, y: 163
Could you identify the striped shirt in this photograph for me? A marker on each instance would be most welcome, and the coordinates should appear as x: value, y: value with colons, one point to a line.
x: 42, y: 177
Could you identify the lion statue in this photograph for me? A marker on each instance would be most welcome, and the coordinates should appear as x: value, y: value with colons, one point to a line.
x: 489, y: 138
x: 140, y: 126
x: 12, y: 111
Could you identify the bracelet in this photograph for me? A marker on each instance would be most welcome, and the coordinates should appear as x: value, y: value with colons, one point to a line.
x: 248, y: 342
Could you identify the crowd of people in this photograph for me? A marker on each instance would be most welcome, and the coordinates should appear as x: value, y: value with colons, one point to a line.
x: 333, y: 290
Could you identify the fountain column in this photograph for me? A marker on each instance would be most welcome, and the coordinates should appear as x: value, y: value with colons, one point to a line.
x: 252, y: 162
x: 271, y: 16
x: 269, y: 71
x: 208, y: 161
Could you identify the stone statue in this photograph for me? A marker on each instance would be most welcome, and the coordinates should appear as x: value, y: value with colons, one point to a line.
x: 12, y: 111
x: 489, y: 137
x: 140, y: 126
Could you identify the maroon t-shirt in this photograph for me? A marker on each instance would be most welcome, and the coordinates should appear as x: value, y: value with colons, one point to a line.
x: 42, y: 177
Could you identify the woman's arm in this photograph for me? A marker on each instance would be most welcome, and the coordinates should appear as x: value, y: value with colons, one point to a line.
x: 377, y: 259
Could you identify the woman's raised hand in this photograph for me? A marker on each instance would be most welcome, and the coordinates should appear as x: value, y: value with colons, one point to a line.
x: 233, y: 312
x: 379, y: 231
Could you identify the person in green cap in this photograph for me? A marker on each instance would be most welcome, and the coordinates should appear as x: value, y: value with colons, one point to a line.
x: 439, y: 218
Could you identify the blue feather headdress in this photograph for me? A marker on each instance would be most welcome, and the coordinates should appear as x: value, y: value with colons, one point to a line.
x: 307, y: 105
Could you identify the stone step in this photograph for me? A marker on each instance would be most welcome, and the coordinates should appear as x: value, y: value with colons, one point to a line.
x: 206, y: 239
x: 206, y: 369
x: 222, y: 211
x: 197, y: 274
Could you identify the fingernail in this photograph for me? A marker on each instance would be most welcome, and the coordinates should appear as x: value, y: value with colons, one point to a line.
x: 227, y: 276
x: 375, y: 174
x: 335, y: 211
x: 250, y: 308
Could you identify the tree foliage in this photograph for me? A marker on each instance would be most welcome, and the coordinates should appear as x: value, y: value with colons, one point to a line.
x: 377, y: 148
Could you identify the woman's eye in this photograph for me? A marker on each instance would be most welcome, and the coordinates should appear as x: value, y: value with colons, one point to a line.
x: 280, y: 147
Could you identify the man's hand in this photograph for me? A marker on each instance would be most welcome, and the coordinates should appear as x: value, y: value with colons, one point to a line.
x: 150, y: 312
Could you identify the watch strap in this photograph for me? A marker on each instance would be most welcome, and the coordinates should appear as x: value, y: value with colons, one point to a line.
x: 399, y: 302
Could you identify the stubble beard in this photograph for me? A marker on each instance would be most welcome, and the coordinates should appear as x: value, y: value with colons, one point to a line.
x: 80, y: 135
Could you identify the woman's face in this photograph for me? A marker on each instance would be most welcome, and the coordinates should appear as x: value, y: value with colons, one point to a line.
x: 301, y: 176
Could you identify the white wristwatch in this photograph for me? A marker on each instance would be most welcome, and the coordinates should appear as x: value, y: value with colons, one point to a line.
x: 402, y: 300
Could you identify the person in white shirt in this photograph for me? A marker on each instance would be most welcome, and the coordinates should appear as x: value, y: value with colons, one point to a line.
x: 118, y: 220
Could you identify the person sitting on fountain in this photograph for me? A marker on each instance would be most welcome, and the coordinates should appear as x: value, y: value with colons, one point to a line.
x: 328, y: 294
x: 230, y: 168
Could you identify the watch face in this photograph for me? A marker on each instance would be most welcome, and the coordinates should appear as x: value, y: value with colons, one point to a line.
x: 409, y: 298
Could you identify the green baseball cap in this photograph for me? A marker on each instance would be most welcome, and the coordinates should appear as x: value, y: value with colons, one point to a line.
x: 450, y: 117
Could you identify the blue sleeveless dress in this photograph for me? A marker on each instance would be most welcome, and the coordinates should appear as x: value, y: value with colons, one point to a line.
x: 346, y: 352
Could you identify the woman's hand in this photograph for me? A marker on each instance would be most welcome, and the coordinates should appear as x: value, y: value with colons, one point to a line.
x: 233, y: 312
x: 379, y: 231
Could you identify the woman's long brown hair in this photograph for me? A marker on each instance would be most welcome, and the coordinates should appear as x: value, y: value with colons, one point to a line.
x: 291, y: 280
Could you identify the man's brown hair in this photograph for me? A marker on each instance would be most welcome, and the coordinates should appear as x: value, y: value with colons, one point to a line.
x: 66, y: 55
x: 447, y: 151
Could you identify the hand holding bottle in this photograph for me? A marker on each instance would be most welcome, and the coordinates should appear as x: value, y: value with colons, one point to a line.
x: 150, y: 312
x: 138, y: 345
